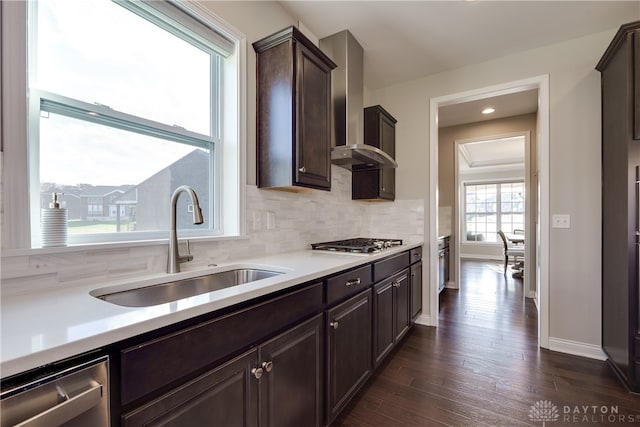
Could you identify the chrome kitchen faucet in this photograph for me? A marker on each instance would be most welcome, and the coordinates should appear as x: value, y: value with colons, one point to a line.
x: 174, y: 259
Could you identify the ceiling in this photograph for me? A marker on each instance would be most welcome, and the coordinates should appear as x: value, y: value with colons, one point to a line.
x: 513, y: 104
x: 492, y: 155
x: 405, y: 40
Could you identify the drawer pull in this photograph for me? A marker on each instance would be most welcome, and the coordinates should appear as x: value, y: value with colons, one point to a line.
x: 353, y: 282
x: 334, y: 325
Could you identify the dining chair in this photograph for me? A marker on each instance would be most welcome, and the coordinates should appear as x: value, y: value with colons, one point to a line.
x: 509, y: 251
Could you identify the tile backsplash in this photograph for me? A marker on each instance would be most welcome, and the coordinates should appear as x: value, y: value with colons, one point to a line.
x: 277, y: 222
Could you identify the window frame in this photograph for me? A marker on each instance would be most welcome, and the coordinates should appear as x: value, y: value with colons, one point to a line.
x: 17, y: 156
x: 498, y: 212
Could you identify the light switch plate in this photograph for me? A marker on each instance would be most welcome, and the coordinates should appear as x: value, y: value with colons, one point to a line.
x: 561, y: 221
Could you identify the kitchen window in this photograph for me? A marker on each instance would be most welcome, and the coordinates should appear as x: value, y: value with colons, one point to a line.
x: 490, y: 207
x: 127, y: 100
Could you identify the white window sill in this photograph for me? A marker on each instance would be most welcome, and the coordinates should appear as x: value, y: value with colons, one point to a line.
x: 112, y: 245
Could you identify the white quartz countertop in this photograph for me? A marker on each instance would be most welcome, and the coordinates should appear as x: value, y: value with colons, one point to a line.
x: 44, y: 327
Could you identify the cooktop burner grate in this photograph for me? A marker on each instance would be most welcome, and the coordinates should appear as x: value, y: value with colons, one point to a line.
x: 357, y: 245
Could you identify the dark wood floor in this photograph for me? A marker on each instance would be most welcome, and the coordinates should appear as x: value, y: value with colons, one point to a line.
x: 482, y: 367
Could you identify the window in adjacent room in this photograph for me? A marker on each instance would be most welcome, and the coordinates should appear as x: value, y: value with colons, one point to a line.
x: 490, y: 207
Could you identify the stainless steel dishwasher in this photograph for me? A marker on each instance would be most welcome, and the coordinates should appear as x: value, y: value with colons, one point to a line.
x: 76, y: 396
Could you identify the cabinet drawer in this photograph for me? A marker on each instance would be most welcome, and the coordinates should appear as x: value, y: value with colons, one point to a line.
x: 157, y: 363
x: 416, y: 254
x: 347, y: 284
x: 386, y: 267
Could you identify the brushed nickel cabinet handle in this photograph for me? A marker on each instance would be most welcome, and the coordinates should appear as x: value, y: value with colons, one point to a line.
x: 334, y: 325
x: 257, y: 372
x: 267, y: 366
x: 303, y: 169
x: 353, y: 282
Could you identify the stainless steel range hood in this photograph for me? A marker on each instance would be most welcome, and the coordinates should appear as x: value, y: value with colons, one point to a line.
x: 347, y: 90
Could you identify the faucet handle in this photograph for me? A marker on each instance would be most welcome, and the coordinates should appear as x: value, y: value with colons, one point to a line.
x: 185, y: 258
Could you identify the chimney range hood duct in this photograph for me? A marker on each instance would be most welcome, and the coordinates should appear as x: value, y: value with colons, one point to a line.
x: 347, y: 90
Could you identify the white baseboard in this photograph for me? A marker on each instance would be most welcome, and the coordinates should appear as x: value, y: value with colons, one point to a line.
x: 451, y: 285
x: 576, y: 348
x: 424, y: 319
x: 532, y: 295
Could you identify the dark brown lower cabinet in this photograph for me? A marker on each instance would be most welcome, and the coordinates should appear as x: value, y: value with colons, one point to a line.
x: 348, y: 350
x: 278, y: 383
x: 291, y: 393
x: 390, y: 313
x: 383, y: 320
x: 416, y: 290
x: 402, y: 321
x: 226, y: 395
x: 335, y: 331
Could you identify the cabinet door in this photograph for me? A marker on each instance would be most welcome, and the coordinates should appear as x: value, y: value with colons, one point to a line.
x: 226, y: 396
x: 416, y: 290
x: 383, y: 319
x: 349, y: 350
x: 313, y: 121
x: 388, y: 145
x: 291, y: 384
x: 401, y: 291
x: 635, y: 72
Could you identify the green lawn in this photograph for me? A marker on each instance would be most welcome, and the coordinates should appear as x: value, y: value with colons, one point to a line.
x: 77, y: 226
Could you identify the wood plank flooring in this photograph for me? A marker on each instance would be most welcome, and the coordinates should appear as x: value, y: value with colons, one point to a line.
x: 482, y: 367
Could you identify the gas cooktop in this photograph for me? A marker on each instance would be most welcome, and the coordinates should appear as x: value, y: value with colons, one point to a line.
x: 359, y: 245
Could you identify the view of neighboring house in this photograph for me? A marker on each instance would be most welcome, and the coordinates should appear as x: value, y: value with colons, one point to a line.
x: 86, y: 201
x: 142, y: 207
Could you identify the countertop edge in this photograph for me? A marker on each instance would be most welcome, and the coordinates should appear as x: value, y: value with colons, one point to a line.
x: 24, y: 361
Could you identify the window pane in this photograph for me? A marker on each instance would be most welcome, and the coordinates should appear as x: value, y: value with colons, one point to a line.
x: 98, y: 52
x: 117, y: 181
x: 483, y: 226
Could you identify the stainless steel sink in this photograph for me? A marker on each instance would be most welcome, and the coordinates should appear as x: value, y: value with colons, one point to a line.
x: 173, y: 291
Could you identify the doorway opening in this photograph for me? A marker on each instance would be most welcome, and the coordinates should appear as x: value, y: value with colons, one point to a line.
x: 536, y: 226
x: 493, y: 193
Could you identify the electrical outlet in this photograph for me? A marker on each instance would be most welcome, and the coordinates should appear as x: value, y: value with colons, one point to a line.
x: 561, y: 221
x: 271, y: 220
x: 257, y: 221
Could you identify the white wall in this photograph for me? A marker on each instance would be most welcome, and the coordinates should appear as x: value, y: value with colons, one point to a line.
x: 574, y: 270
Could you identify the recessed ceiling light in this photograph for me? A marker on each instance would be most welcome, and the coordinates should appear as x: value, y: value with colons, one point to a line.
x: 488, y: 110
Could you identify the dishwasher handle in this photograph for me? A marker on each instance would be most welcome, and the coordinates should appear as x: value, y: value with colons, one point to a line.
x: 67, y: 410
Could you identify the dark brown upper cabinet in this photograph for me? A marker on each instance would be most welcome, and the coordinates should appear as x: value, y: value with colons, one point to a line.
x: 380, y: 132
x: 620, y: 97
x: 293, y: 112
